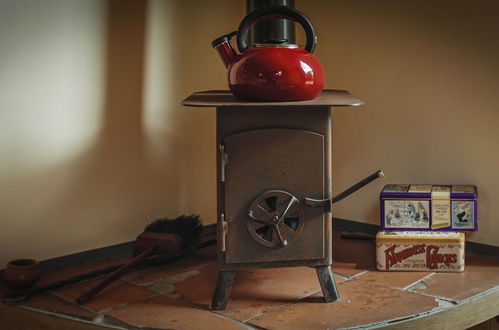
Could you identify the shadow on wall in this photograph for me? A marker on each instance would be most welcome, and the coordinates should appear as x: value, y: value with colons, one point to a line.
x: 198, y: 68
x: 108, y: 193
x: 143, y: 156
x: 122, y: 179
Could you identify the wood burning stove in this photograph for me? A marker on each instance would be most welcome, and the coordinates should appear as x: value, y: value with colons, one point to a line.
x: 274, y: 185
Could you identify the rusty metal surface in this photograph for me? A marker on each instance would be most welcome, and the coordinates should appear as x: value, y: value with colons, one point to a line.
x: 316, y: 119
x: 259, y: 160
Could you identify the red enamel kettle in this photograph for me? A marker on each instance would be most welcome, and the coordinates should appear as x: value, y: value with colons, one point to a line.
x: 274, y: 71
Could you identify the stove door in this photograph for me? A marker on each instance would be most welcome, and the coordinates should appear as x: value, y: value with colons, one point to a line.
x: 269, y: 172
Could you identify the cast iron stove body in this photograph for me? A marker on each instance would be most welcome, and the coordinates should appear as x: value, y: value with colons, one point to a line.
x: 273, y: 185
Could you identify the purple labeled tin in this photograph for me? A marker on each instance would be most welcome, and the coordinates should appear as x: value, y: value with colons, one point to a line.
x: 428, y: 207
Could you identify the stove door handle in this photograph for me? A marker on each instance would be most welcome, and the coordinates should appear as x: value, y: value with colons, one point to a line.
x: 317, y: 202
x: 376, y: 175
x: 329, y: 201
x: 326, y: 203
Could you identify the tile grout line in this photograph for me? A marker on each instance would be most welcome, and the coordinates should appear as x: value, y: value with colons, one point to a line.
x: 481, y: 294
x: 209, y: 310
x: 71, y: 301
x: 356, y: 276
x: 200, y: 307
x: 68, y: 317
x: 282, y: 306
x: 407, y: 288
x: 242, y: 323
x: 99, y: 318
x: 459, y: 302
x: 345, y: 277
x: 102, y: 315
x: 449, y: 300
x: 351, y: 277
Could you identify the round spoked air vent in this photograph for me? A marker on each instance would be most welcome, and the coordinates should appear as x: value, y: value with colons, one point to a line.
x: 276, y: 218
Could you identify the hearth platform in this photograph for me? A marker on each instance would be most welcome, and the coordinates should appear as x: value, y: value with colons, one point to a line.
x: 178, y: 295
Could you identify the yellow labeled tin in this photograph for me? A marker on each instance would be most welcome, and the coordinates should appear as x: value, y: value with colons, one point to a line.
x: 420, y: 251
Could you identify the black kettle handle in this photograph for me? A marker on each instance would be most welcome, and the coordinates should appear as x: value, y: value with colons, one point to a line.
x: 269, y: 12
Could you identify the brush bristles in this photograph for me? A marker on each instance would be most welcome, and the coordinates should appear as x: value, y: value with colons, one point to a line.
x: 188, y: 227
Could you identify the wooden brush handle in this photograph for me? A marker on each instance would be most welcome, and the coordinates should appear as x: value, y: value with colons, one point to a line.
x: 116, y: 274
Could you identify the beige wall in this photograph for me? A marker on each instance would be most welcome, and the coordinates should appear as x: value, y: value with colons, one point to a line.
x: 95, y: 144
x: 428, y: 72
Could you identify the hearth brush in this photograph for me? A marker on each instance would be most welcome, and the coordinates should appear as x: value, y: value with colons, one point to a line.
x: 161, y: 236
x: 20, y: 296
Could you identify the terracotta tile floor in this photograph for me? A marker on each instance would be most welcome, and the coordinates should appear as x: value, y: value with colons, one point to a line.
x: 177, y: 295
x: 480, y: 275
x: 361, y: 302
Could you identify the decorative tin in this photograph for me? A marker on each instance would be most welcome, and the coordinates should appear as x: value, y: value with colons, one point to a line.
x: 420, y: 251
x: 429, y: 207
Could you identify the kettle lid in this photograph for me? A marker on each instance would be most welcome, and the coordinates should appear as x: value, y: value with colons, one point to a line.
x: 272, y: 45
x: 275, y: 43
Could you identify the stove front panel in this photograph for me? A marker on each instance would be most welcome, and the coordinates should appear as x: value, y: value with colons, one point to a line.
x: 287, y: 160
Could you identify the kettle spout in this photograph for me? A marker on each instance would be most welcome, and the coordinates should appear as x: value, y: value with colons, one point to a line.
x: 225, y: 49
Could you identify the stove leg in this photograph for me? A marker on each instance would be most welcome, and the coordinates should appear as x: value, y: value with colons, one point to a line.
x: 327, y: 282
x: 222, y: 290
